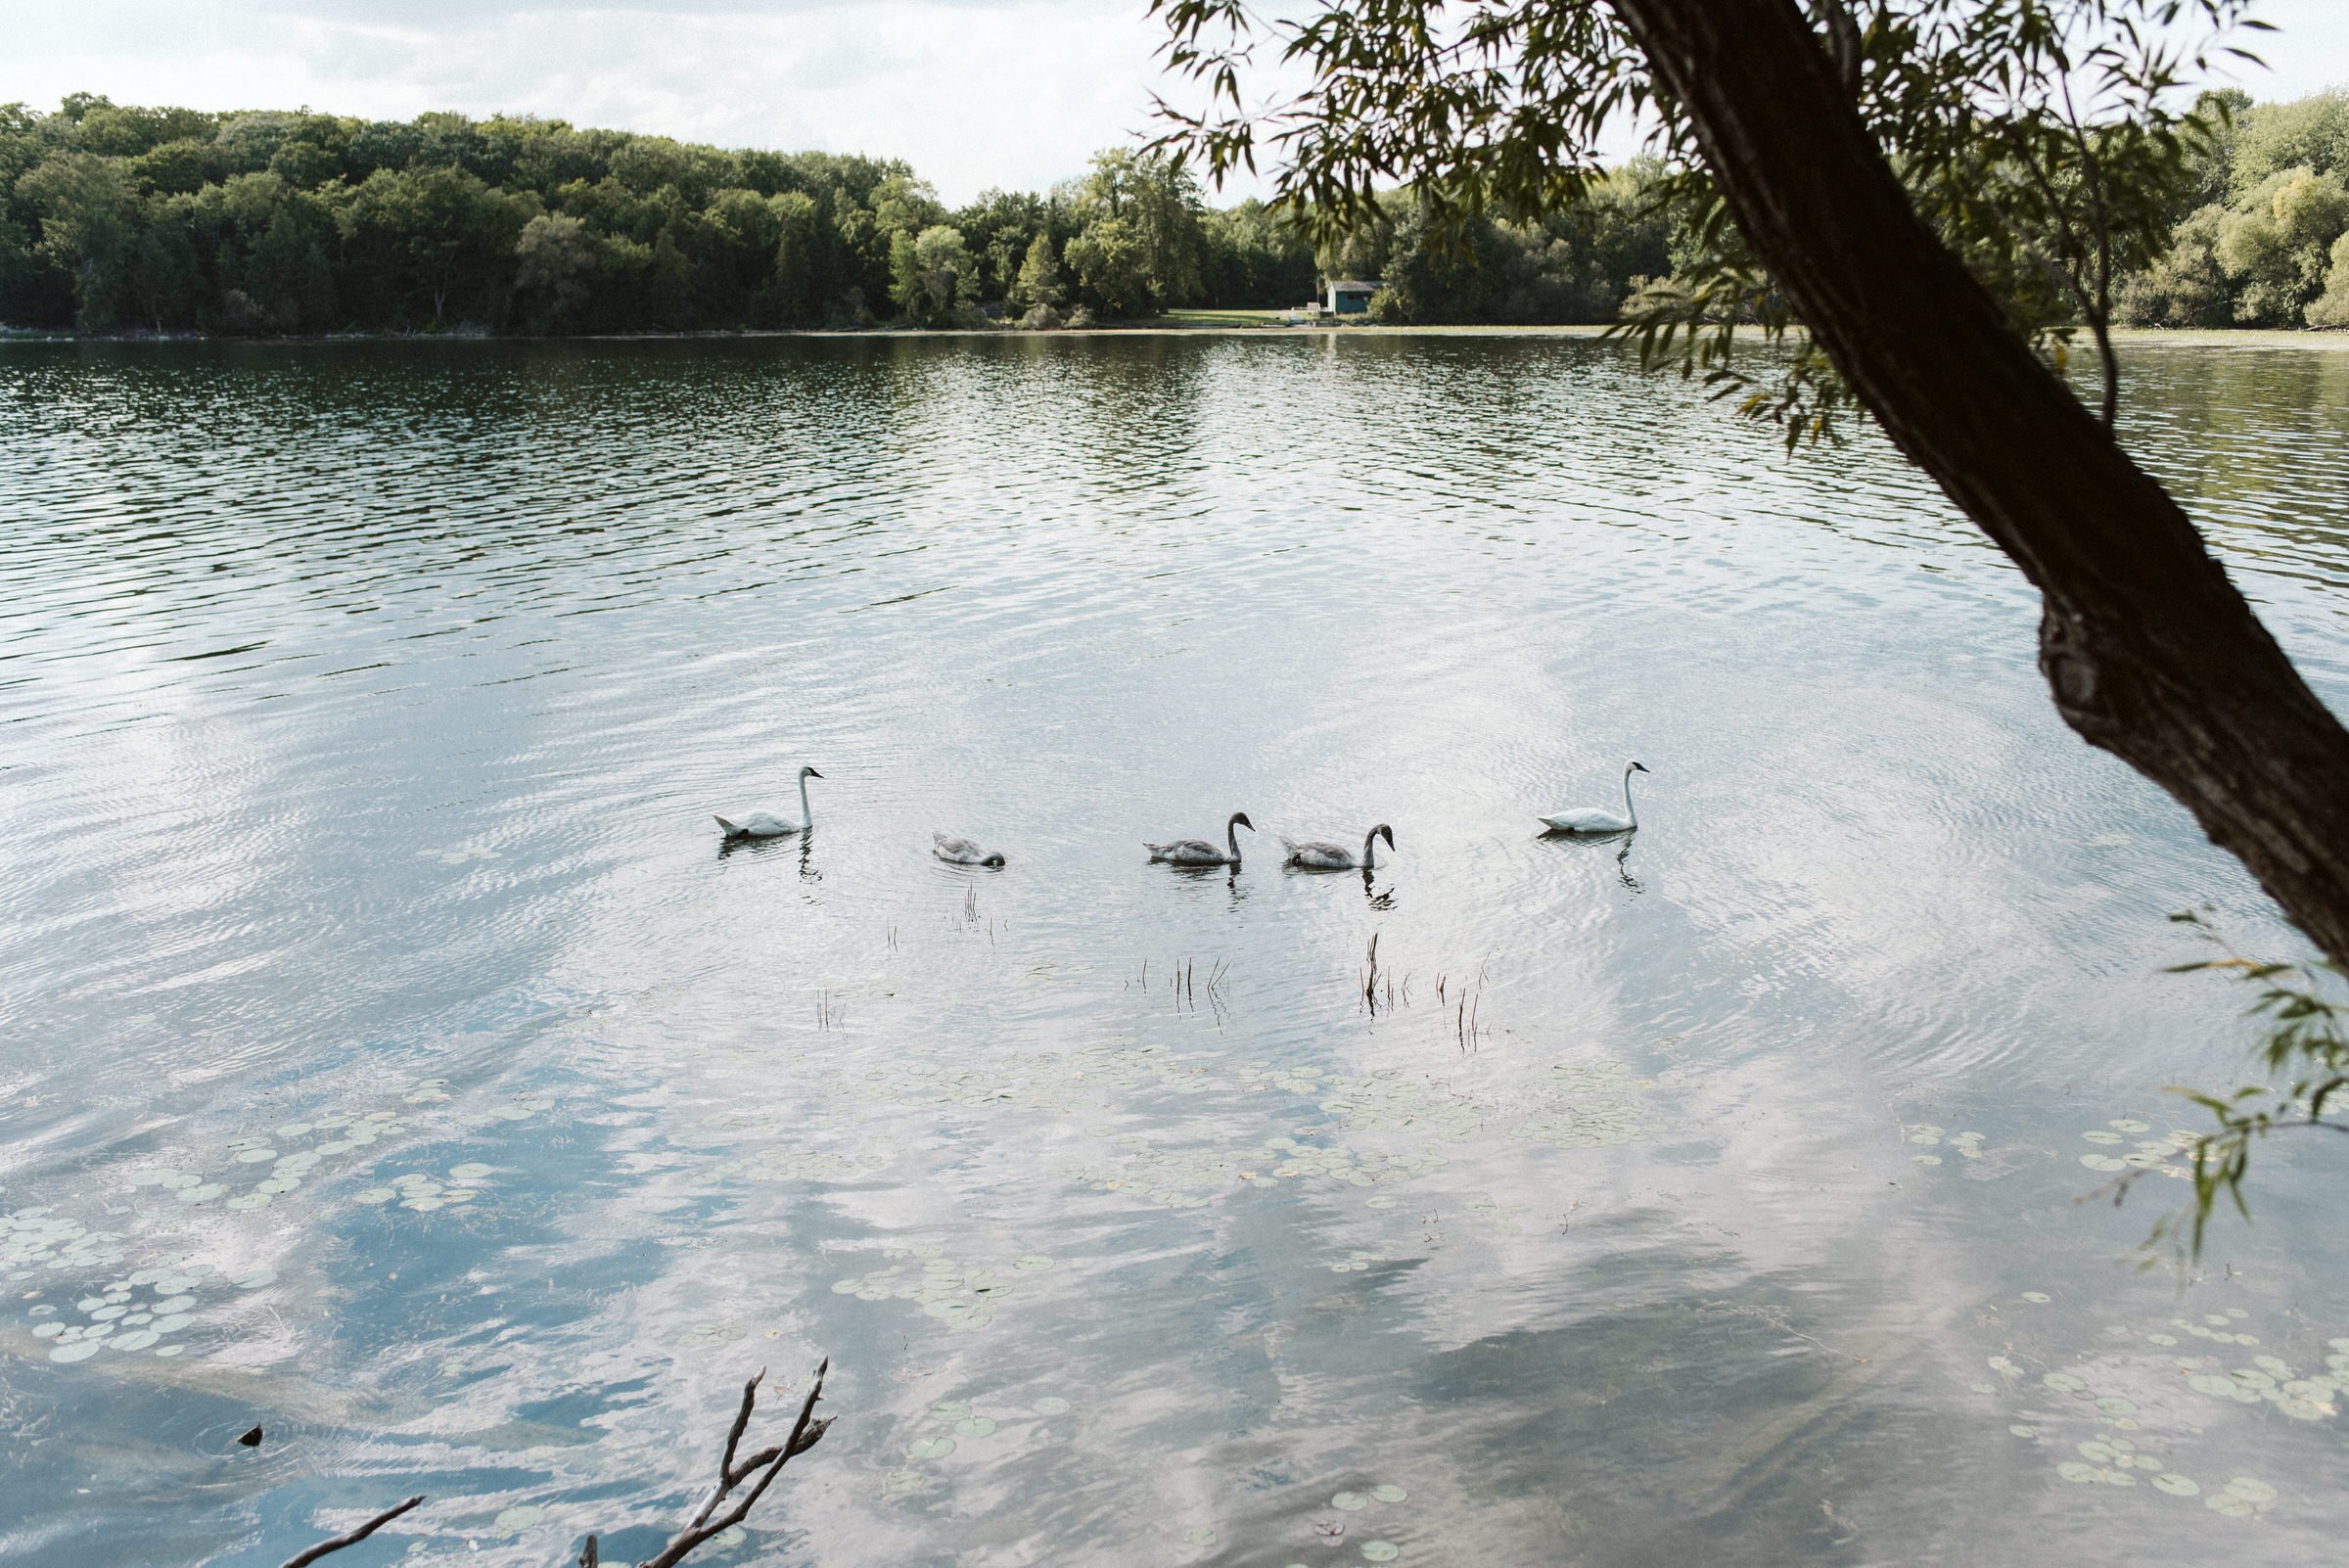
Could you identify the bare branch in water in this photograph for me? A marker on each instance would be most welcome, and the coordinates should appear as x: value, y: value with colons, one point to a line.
x: 707, y: 1523
x: 764, y: 1465
x: 300, y: 1558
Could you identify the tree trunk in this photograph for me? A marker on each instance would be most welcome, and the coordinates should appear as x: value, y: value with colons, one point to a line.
x: 2149, y: 650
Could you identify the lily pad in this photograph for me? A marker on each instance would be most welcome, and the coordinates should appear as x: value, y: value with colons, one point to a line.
x: 513, y: 1521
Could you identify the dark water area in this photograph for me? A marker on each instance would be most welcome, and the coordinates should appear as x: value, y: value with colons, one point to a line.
x: 391, y: 1053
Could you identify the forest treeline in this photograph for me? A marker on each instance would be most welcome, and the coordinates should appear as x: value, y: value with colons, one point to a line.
x: 114, y: 217
x: 119, y: 217
x: 2262, y: 237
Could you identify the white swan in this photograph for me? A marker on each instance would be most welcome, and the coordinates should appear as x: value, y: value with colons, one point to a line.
x: 1321, y: 856
x: 1199, y: 852
x: 767, y: 825
x: 1597, y: 818
x: 957, y: 850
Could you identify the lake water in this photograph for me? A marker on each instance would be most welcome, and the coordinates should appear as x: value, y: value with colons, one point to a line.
x: 391, y: 1054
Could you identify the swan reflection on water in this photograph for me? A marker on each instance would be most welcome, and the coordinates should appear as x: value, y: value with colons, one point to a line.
x: 1622, y: 839
x: 803, y: 841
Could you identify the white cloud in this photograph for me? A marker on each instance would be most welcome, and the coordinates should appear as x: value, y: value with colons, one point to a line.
x: 2308, y: 52
x: 1017, y: 93
x: 973, y: 93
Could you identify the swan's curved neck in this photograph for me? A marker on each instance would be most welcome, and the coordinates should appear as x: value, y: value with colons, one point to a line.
x: 1629, y: 814
x: 1232, y: 837
x: 806, y: 816
x: 1369, y: 849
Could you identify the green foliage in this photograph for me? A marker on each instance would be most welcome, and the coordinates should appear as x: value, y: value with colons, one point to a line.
x: 1039, y: 282
x: 88, y: 230
x: 553, y: 264
x: 2276, y: 245
x: 1112, y: 267
x: 2309, y: 133
x: 2257, y: 250
x: 2306, y: 1057
x: 1577, y: 265
x: 1140, y: 244
x: 1256, y: 257
x: 115, y: 217
x: 171, y: 219
x: 932, y: 274
x: 2187, y: 287
x: 2331, y: 308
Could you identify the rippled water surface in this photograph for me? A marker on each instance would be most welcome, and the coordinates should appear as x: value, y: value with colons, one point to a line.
x: 391, y: 1054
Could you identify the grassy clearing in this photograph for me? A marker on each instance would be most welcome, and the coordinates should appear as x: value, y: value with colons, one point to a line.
x: 1212, y: 318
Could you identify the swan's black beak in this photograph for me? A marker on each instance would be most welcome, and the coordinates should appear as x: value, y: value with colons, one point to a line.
x: 1387, y: 832
x: 1240, y: 819
x: 1638, y: 767
x: 812, y: 773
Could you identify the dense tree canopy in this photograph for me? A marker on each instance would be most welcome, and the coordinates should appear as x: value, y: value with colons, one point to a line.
x: 2265, y: 240
x: 116, y: 217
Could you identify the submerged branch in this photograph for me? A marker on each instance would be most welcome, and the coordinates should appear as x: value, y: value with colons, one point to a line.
x: 300, y: 1558
x: 765, y: 1464
x: 707, y: 1523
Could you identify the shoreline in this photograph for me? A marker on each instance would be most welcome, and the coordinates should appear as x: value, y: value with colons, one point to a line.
x: 2319, y: 340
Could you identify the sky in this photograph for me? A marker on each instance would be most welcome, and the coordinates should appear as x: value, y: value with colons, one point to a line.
x: 974, y: 93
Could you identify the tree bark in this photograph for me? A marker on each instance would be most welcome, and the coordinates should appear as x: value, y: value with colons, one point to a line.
x: 2150, y: 651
